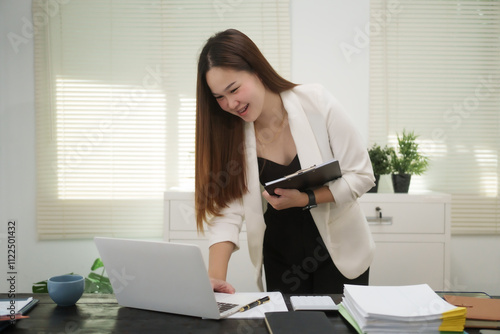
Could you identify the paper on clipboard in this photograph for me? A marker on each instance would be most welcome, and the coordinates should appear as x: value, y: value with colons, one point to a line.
x: 311, y: 177
x: 276, y: 304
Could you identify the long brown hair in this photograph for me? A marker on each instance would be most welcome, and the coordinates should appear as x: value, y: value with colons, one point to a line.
x: 220, y: 175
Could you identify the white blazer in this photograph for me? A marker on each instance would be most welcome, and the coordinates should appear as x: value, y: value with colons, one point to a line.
x: 321, y: 131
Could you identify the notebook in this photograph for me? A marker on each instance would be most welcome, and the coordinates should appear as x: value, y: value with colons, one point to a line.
x: 21, y: 305
x: 164, y: 277
x: 299, y: 322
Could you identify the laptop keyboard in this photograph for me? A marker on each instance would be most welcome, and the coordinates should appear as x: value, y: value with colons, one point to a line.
x: 225, y: 306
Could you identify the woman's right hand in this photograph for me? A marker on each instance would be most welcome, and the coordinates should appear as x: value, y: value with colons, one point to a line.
x: 219, y: 285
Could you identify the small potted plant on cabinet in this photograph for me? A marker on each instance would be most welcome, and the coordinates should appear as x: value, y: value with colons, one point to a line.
x: 380, y: 158
x: 406, y: 161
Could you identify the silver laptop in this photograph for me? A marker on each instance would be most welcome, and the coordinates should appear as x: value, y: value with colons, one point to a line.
x: 163, y: 276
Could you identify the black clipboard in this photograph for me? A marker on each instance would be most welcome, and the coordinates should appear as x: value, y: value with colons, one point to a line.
x: 312, y: 177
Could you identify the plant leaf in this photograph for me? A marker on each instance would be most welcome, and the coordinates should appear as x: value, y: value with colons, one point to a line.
x: 105, y: 288
x: 98, y: 278
x: 40, y: 287
x: 93, y: 286
x: 97, y: 264
x: 90, y: 286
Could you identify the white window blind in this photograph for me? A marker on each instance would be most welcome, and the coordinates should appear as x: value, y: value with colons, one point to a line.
x: 115, y: 104
x: 435, y: 70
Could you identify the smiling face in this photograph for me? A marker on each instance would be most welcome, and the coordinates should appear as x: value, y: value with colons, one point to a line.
x: 240, y: 93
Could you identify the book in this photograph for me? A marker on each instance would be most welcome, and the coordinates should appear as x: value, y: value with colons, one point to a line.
x: 20, y: 306
x: 299, y: 322
x: 323, y: 303
x: 481, y: 312
x: 400, y: 309
x: 307, y: 178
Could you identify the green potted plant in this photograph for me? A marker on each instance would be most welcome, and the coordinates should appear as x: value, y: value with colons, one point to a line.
x: 381, y: 164
x: 406, y: 161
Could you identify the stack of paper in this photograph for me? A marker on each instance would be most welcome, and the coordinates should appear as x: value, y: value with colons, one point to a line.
x: 400, y: 309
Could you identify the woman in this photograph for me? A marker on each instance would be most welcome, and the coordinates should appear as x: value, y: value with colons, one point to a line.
x: 253, y: 126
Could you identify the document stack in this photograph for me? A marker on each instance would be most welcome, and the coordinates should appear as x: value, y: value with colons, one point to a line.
x: 400, y: 309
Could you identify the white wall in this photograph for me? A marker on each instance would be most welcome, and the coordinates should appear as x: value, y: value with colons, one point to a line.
x: 319, y: 27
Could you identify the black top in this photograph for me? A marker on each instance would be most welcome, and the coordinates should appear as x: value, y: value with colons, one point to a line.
x: 270, y: 170
x: 286, y: 230
x: 291, y: 236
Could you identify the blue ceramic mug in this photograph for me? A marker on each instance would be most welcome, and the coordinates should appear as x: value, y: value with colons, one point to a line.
x: 66, y: 290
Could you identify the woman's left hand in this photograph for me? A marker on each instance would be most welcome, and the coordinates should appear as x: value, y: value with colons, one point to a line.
x: 219, y: 285
x: 286, y: 198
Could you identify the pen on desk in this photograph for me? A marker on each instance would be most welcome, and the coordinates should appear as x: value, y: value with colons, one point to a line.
x: 255, y: 303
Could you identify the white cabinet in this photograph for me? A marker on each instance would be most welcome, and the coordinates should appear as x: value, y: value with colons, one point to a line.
x: 412, y: 233
x: 180, y: 226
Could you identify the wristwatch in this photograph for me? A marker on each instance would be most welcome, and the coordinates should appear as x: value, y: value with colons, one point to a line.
x: 312, y: 200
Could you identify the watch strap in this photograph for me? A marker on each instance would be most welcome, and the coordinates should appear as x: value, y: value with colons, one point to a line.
x: 312, y: 200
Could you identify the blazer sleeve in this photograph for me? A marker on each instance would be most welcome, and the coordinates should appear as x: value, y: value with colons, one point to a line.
x: 349, y: 149
x: 227, y: 226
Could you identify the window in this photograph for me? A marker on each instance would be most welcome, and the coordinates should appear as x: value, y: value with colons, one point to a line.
x: 435, y: 69
x: 115, y: 104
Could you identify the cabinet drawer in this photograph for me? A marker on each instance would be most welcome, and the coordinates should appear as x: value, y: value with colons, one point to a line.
x: 405, y: 217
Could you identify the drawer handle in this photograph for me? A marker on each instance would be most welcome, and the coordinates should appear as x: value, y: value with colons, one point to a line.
x: 379, y: 220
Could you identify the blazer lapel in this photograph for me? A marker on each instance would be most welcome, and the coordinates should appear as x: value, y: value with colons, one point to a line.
x: 308, y: 152
x: 305, y: 141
